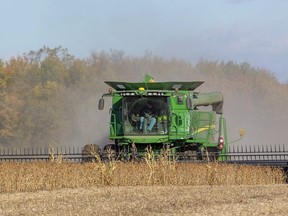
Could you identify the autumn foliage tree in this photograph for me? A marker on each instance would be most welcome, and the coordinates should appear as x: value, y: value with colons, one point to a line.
x: 49, y: 97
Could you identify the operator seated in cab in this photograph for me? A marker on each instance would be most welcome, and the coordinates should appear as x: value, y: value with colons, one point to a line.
x: 148, y: 116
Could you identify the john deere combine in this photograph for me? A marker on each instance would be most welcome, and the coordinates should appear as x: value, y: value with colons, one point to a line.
x: 165, y: 115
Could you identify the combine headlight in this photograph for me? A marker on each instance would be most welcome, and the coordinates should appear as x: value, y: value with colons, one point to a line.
x: 155, y: 93
x: 128, y: 94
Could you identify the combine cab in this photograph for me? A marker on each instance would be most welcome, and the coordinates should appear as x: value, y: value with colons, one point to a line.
x: 190, y: 124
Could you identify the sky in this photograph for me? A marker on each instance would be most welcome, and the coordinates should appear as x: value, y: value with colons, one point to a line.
x: 253, y: 31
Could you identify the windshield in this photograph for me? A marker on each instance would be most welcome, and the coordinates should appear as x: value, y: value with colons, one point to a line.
x: 145, y: 115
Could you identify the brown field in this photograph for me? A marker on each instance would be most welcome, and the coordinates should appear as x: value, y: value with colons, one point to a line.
x: 150, y: 188
x: 150, y: 200
x: 29, y: 177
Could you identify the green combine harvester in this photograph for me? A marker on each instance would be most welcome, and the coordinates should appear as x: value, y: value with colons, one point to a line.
x: 165, y: 115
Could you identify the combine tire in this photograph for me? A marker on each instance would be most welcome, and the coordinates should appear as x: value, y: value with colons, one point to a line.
x: 109, y: 152
x: 91, y: 153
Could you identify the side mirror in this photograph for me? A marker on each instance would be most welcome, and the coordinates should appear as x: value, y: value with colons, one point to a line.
x: 189, y: 103
x: 101, y: 104
x: 241, y: 132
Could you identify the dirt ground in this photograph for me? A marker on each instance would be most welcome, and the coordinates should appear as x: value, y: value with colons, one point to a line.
x: 154, y: 200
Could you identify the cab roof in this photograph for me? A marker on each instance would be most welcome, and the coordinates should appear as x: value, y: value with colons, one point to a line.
x: 124, y: 86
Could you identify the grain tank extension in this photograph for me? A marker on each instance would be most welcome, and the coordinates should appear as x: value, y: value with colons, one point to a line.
x: 166, y: 115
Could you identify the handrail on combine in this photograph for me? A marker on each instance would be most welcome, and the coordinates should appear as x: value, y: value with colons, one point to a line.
x: 113, y: 123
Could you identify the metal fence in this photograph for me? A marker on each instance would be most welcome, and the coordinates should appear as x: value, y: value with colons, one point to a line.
x: 73, y: 154
x: 257, y: 155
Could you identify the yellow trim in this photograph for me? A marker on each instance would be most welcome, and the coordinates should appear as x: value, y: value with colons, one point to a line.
x: 203, y: 129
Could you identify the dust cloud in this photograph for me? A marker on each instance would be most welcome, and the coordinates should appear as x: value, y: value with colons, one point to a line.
x: 241, y: 109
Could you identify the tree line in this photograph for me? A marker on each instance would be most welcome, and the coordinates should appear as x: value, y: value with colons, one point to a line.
x: 49, y: 97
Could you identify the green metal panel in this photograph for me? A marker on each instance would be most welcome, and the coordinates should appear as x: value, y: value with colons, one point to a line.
x: 223, y: 133
x: 147, y: 139
x: 180, y: 119
x: 203, y: 126
x: 124, y: 86
x: 116, y: 127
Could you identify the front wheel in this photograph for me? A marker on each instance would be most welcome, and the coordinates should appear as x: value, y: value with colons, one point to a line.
x: 91, y: 153
x: 211, y: 154
x: 109, y: 152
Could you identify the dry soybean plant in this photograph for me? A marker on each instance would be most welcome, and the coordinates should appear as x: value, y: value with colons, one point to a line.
x: 53, y: 157
x: 161, y: 169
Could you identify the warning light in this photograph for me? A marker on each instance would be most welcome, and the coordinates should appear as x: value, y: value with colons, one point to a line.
x: 221, y: 143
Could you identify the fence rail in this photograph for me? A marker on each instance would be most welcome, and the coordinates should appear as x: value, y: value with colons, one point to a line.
x: 256, y: 155
x: 73, y: 154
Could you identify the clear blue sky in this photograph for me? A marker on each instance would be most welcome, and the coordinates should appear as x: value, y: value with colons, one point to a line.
x: 255, y: 31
